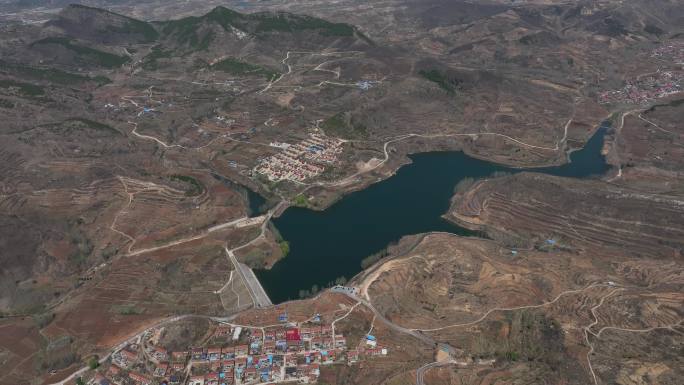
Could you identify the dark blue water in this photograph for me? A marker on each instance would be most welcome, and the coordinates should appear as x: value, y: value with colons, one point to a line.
x: 256, y: 203
x: 325, y: 245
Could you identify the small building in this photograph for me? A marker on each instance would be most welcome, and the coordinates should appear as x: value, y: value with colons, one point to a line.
x: 340, y: 341
x: 227, y: 377
x: 236, y: 333
x: 228, y: 353
x: 214, y: 354
x: 114, y: 370
x: 129, y: 356
x: 241, y: 350
x: 215, y: 366
x: 250, y: 374
x: 161, y: 369
x: 197, y: 354
x: 211, y: 379
x: 256, y: 335
x: 227, y: 365
x: 269, y: 347
x: 281, y: 345
x: 240, y: 363
x: 139, y: 378
x: 223, y: 331
x: 99, y: 379
x: 292, y: 335
x: 255, y: 347
x: 179, y: 356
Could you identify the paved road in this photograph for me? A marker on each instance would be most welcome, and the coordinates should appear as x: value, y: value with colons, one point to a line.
x: 256, y: 291
x: 261, y: 298
x: 417, y: 334
x: 420, y: 373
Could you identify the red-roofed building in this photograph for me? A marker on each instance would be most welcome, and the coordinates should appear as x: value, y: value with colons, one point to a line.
x: 228, y: 364
x: 227, y: 353
x: 241, y: 350
x: 197, y: 354
x: 229, y: 377
x: 256, y: 335
x: 223, y: 330
x: 214, y: 354
x: 250, y: 374
x: 211, y: 379
x: 129, y: 355
x: 114, y: 370
x: 215, y: 366
x: 269, y: 347
x: 292, y: 335
x: 139, y: 378
x: 240, y: 362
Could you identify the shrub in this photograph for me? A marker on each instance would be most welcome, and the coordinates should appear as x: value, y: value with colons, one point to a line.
x: 284, y: 247
x: 93, y: 363
x: 440, y: 79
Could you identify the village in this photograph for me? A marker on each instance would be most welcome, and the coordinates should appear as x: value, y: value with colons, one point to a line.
x: 673, y: 52
x: 649, y: 87
x: 238, y: 355
x: 645, y: 89
x: 301, y: 161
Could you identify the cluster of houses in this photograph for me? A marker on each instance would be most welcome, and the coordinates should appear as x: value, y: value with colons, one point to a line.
x: 673, y: 52
x: 237, y: 355
x: 300, y: 161
x: 645, y: 89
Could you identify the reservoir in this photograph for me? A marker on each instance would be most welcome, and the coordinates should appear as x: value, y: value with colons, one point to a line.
x: 325, y: 245
x: 256, y: 204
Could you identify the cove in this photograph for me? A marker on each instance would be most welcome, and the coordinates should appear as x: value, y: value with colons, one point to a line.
x: 256, y: 203
x: 325, y: 245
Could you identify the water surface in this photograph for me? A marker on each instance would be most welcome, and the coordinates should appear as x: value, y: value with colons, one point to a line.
x: 325, y: 245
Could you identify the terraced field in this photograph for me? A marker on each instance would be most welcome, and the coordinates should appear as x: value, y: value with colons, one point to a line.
x: 534, y: 314
x: 529, y: 210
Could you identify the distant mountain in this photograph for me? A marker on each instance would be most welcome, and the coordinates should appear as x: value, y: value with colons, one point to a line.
x: 87, y: 37
x: 102, y: 26
x: 66, y: 51
x: 287, y: 28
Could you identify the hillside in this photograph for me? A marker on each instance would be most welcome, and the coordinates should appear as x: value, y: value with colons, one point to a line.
x: 101, y: 26
x: 147, y: 148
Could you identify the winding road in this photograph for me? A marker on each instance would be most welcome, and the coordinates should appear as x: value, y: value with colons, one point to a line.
x: 420, y: 372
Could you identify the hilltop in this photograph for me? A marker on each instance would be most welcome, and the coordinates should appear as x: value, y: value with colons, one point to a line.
x: 102, y: 26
